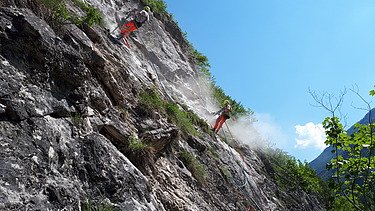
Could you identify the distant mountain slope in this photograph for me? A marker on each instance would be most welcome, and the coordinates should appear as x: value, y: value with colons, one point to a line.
x: 319, y: 163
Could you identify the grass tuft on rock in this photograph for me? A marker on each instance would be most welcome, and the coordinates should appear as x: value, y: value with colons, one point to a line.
x: 151, y: 102
x: 195, y: 167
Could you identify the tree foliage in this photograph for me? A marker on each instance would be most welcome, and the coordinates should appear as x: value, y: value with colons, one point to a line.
x: 292, y: 174
x: 354, y: 174
x: 61, y: 14
x: 136, y: 145
x: 202, y: 63
x: 372, y: 92
x: 92, y: 17
x: 197, y: 169
x: 150, y: 101
x: 354, y: 177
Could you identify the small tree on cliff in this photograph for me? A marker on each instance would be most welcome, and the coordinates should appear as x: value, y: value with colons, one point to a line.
x: 354, y: 175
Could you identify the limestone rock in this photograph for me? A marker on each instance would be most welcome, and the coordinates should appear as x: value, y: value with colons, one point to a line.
x: 69, y: 111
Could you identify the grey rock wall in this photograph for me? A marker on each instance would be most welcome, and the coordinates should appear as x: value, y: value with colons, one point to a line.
x: 69, y: 105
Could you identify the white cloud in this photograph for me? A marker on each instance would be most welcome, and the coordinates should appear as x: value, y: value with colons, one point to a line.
x: 310, y: 135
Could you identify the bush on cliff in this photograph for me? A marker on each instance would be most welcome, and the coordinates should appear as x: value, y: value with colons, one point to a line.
x: 62, y: 15
x: 150, y: 101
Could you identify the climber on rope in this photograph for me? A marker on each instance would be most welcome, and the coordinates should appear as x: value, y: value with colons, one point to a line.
x: 138, y: 18
x: 224, y: 114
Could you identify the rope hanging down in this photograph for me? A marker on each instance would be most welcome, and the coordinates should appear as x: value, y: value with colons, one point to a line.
x: 244, y: 172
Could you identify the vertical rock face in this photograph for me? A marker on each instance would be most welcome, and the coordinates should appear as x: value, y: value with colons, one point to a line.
x: 69, y: 108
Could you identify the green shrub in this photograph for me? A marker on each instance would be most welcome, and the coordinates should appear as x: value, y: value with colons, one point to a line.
x: 93, y: 16
x: 213, y: 152
x: 185, y: 120
x: 202, y: 62
x: 76, y: 119
x: 224, y: 170
x: 352, y: 167
x: 342, y: 204
x: 136, y: 145
x: 354, y: 176
x: 195, y: 167
x: 61, y: 14
x: 372, y: 92
x: 58, y: 9
x: 151, y: 100
x: 196, y: 120
x: 293, y: 174
x: 180, y: 118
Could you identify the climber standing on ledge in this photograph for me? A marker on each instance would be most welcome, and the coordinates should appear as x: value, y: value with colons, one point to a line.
x: 223, y: 115
x: 138, y: 18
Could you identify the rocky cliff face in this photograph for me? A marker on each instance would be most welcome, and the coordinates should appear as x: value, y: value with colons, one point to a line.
x: 69, y: 109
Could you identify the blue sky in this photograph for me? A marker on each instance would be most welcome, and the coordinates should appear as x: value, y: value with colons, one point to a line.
x: 266, y: 54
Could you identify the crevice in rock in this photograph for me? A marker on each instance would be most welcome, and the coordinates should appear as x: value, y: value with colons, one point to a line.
x: 195, y: 144
x: 120, y: 141
x: 108, y: 92
x: 65, y: 74
x: 143, y: 158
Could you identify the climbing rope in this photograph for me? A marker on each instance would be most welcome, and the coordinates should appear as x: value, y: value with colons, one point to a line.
x: 246, y: 180
x: 271, y: 159
x: 229, y: 130
x: 242, y: 168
